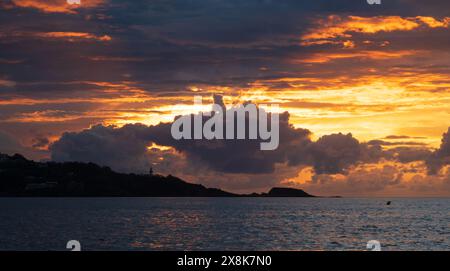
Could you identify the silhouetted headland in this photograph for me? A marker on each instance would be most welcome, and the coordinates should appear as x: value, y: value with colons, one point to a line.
x: 20, y: 177
x: 287, y: 192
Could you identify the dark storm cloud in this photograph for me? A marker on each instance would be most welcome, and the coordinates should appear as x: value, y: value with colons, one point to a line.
x: 26, y: 132
x: 117, y: 147
x: 334, y: 153
x: 122, y: 149
x: 237, y: 156
x: 441, y: 157
x: 410, y: 154
x: 98, y: 144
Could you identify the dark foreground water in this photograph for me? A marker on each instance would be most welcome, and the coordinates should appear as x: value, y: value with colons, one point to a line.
x: 223, y: 223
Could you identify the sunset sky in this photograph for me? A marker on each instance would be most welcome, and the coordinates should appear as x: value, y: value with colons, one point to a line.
x: 365, y: 89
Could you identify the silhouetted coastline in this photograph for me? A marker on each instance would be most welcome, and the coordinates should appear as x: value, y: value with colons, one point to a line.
x: 20, y: 177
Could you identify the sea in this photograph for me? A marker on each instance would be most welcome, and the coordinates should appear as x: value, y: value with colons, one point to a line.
x: 224, y: 224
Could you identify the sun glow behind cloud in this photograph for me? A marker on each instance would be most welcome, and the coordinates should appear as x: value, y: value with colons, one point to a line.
x: 373, y: 107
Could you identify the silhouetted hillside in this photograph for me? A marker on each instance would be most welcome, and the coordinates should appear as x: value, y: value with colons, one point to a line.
x: 22, y: 177
x: 287, y: 192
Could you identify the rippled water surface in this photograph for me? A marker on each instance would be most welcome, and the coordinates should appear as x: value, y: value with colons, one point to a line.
x: 223, y: 223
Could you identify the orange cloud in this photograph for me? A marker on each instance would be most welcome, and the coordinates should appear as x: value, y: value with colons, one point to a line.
x: 375, y: 55
x: 387, y: 178
x: 45, y: 116
x: 56, y: 6
x: 73, y: 36
x: 69, y: 36
x: 349, y: 44
x: 433, y: 23
x: 338, y: 27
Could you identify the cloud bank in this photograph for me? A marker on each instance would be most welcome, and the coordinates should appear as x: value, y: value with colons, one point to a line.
x: 337, y: 161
